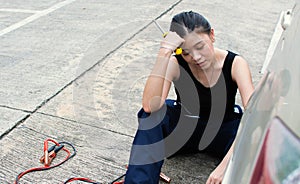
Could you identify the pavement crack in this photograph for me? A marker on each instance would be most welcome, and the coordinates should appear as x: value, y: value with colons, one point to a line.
x: 13, y: 127
x: 169, y: 9
x: 16, y: 109
x: 74, y: 121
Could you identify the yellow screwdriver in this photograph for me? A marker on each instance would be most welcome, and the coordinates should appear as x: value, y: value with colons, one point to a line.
x: 178, y: 50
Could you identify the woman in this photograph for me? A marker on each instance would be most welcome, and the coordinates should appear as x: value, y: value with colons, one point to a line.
x: 202, y: 118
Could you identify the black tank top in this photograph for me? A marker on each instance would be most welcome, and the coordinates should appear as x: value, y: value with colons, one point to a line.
x: 200, y: 100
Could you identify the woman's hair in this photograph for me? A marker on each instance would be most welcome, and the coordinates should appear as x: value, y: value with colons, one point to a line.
x: 186, y: 22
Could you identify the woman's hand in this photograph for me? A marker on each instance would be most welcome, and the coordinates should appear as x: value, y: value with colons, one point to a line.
x: 217, y: 175
x: 171, y: 41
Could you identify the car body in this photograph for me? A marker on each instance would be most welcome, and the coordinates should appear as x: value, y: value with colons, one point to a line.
x: 267, y: 147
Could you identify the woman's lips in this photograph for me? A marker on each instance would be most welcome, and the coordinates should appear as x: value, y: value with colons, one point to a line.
x: 200, y: 63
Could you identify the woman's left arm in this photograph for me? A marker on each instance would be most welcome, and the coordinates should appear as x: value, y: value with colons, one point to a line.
x: 242, y: 76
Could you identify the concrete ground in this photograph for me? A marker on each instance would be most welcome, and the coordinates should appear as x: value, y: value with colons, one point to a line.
x: 74, y: 71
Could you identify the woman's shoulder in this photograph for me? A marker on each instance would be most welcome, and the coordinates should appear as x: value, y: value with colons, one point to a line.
x: 233, y: 56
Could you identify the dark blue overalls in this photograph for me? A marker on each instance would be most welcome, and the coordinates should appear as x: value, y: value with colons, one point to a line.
x: 151, y: 144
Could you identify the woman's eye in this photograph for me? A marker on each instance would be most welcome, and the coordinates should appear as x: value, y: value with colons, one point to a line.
x: 200, y: 47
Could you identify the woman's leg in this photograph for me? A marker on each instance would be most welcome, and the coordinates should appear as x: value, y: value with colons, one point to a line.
x: 225, y: 137
x: 147, y: 151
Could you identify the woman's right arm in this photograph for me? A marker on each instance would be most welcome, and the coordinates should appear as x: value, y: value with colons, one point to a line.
x: 159, y: 81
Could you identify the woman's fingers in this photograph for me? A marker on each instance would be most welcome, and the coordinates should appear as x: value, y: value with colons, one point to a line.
x: 213, y: 179
x: 172, y: 41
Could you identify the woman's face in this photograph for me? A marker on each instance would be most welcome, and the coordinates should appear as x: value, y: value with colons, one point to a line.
x: 198, y: 49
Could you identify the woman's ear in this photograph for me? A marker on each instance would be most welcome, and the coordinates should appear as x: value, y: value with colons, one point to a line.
x: 212, y: 35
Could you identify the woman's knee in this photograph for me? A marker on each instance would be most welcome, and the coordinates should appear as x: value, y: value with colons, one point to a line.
x: 142, y: 113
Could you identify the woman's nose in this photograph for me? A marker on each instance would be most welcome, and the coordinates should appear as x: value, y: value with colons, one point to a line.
x: 196, y: 55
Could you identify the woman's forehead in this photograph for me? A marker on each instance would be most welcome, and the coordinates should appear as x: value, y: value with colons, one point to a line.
x: 192, y: 39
